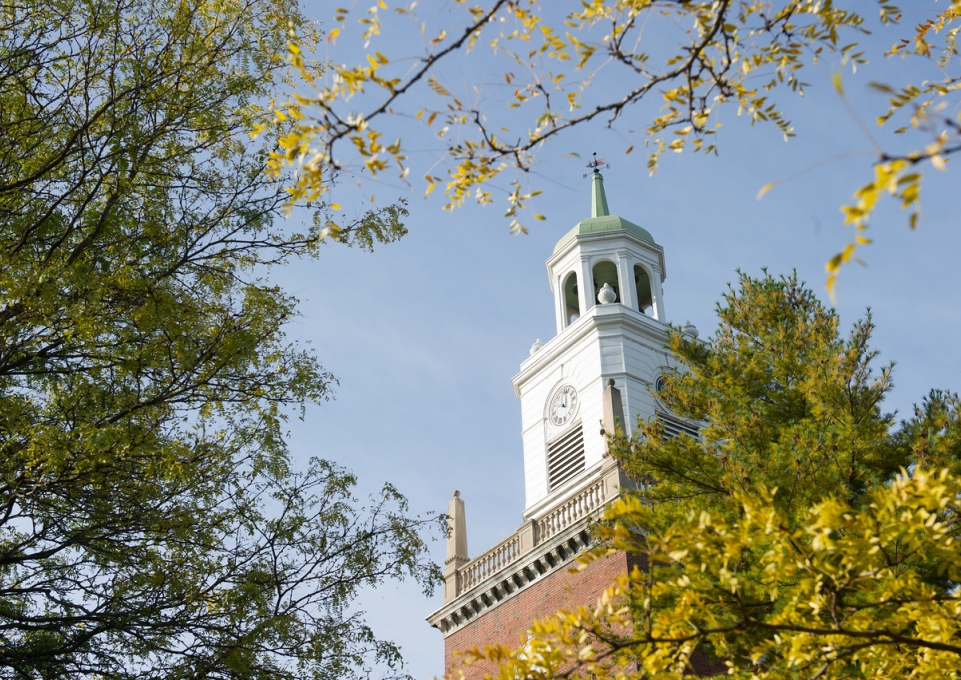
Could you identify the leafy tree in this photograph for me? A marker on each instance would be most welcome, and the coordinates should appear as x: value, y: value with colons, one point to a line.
x: 788, y: 540
x: 601, y: 62
x: 151, y: 521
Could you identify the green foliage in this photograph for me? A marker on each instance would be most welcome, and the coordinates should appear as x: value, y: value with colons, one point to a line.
x: 151, y: 524
x: 788, y: 540
x: 786, y: 402
x: 694, y: 58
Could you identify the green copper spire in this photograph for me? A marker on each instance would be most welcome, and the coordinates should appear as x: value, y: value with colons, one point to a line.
x: 601, y: 219
x: 598, y: 197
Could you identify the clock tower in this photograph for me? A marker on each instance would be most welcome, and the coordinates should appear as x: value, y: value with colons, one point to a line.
x: 596, y: 375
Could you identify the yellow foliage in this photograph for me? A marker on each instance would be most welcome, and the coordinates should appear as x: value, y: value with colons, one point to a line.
x: 736, y: 54
x: 854, y: 590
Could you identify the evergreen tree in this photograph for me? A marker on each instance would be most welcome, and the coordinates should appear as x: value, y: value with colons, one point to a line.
x: 784, y: 401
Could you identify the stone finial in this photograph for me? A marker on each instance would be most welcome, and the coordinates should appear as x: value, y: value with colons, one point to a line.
x: 613, y: 412
x: 607, y: 295
x: 456, y: 531
x: 536, y: 347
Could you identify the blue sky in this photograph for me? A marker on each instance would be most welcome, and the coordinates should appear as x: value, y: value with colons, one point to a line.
x: 426, y: 334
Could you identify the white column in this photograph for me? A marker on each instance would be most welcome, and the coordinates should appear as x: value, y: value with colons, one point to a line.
x: 585, y: 286
x: 560, y: 304
x: 625, y: 278
x: 658, y: 294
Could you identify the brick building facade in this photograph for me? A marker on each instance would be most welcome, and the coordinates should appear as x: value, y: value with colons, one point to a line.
x: 505, y: 624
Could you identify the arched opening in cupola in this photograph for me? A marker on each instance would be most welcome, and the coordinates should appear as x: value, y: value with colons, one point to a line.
x: 645, y: 296
x: 606, y: 272
x: 572, y: 308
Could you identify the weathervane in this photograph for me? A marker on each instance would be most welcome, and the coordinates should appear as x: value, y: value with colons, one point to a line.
x: 596, y: 163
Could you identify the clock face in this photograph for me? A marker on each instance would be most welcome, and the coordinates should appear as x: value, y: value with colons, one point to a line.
x: 563, y: 406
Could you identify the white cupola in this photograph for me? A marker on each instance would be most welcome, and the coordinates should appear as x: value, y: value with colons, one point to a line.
x: 605, y: 249
x: 602, y: 365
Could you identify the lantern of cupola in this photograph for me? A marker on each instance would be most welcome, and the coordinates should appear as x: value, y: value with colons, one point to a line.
x: 605, y: 250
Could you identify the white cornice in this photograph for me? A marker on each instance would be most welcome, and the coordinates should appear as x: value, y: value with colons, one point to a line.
x: 586, y: 239
x: 598, y: 319
x: 544, y: 559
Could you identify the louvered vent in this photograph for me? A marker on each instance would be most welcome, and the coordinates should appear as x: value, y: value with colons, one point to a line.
x: 675, y: 426
x: 565, y: 457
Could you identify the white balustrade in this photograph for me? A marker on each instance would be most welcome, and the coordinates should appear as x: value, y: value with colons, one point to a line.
x: 489, y: 563
x: 570, y: 511
x: 507, y: 551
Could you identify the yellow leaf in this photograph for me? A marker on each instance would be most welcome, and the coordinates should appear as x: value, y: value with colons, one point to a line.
x: 335, y: 206
x: 766, y: 188
x: 629, y: 149
x: 837, y: 82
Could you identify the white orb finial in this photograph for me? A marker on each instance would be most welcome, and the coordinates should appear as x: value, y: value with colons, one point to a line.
x: 606, y: 295
x: 690, y: 329
x: 536, y: 347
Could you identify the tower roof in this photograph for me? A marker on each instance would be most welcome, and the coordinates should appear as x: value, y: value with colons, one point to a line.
x: 601, y: 220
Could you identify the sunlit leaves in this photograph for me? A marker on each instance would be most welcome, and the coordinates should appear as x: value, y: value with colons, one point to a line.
x: 741, y: 55
x: 854, y: 603
x: 725, y: 48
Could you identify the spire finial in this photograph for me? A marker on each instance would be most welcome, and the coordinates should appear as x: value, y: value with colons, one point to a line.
x: 598, y: 197
x: 596, y: 163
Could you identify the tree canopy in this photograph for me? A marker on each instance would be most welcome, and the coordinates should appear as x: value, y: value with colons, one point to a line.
x: 152, y: 523
x: 801, y: 534
x: 604, y: 62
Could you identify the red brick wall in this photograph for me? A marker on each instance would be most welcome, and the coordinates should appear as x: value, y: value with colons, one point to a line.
x: 507, y: 622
